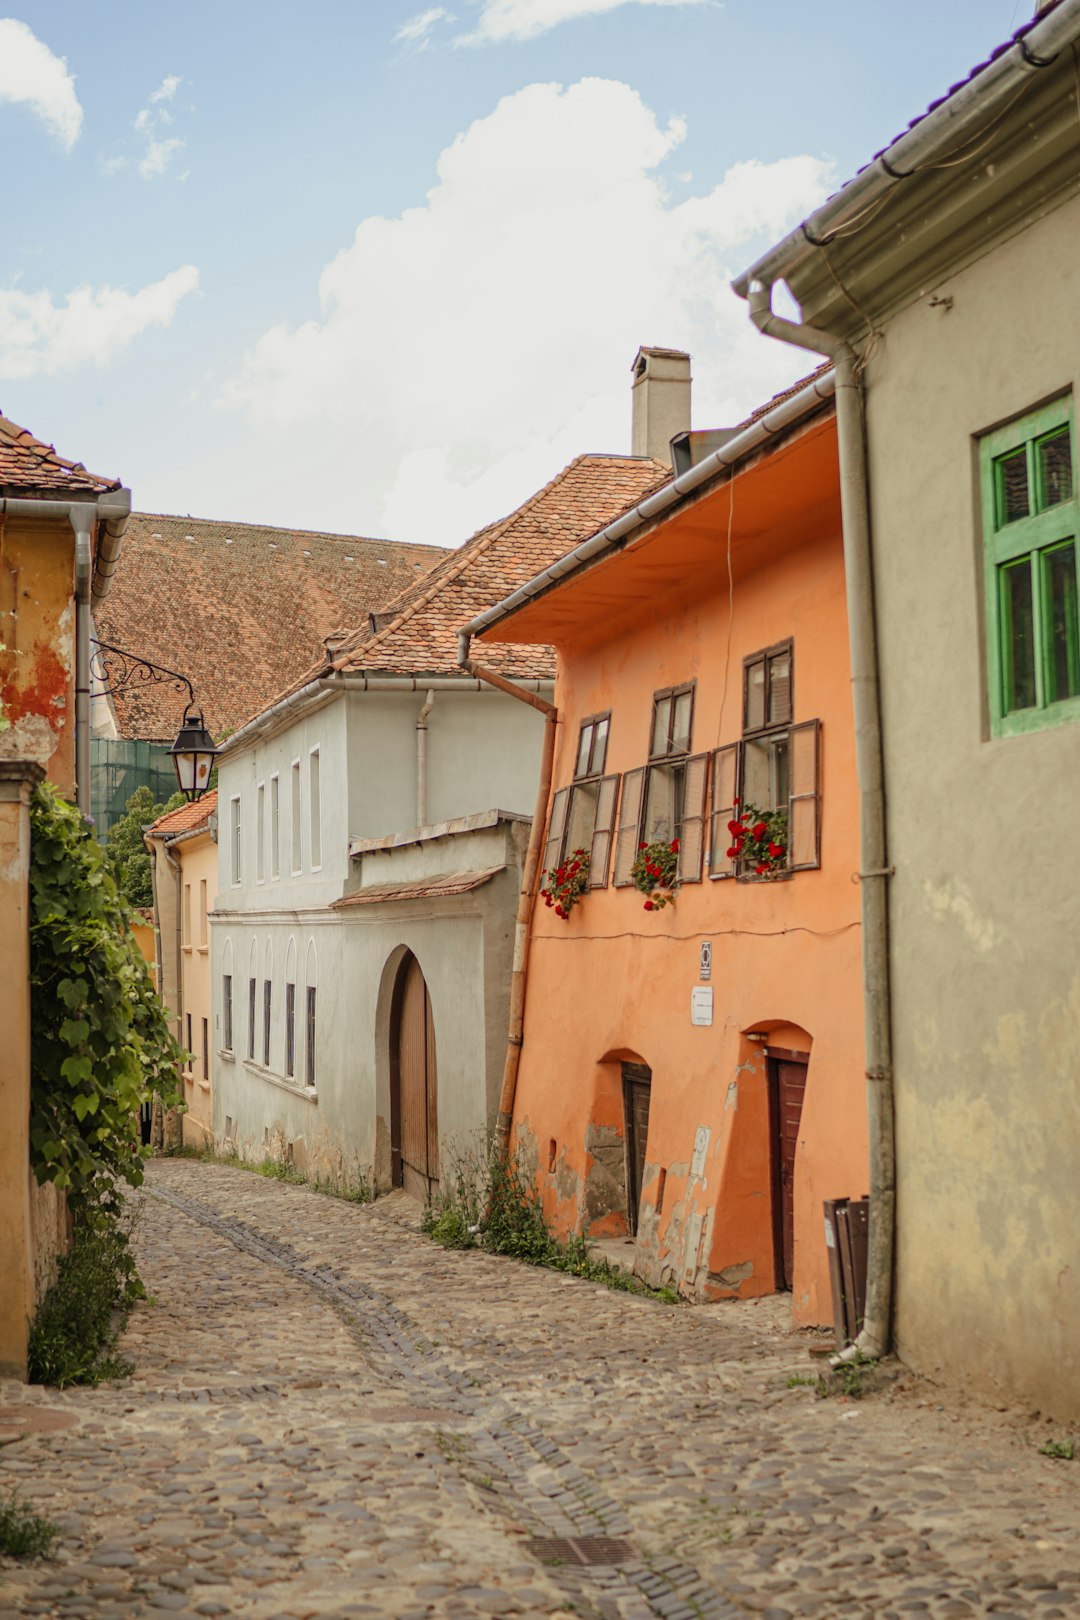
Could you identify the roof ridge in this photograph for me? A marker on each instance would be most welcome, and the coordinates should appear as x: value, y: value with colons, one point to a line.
x: 281, y: 528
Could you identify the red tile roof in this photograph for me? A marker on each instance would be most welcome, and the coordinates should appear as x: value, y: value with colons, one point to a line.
x: 238, y: 608
x: 186, y: 817
x: 27, y: 467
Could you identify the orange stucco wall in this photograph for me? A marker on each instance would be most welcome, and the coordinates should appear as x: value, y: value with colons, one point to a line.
x: 614, y: 982
x: 37, y: 645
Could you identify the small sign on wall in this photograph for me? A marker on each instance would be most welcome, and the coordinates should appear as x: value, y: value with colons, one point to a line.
x: 705, y: 960
x: 701, y: 1147
x: 701, y: 1004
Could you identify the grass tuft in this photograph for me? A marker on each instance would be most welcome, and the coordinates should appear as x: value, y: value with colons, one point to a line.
x: 24, y: 1533
x: 74, y: 1334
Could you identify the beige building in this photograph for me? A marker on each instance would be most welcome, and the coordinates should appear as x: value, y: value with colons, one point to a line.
x: 949, y: 266
x: 183, y: 849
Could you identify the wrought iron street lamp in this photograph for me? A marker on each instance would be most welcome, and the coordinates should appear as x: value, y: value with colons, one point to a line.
x: 193, y: 752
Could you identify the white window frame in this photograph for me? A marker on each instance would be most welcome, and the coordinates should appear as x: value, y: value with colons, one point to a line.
x: 260, y: 833
x: 275, y: 827
x: 296, y: 821
x: 235, y: 846
x: 314, y: 810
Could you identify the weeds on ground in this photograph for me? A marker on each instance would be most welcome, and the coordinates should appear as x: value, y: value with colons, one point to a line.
x: 24, y: 1533
x: 1062, y: 1450
x: 847, y: 1379
x: 74, y: 1334
x: 801, y: 1381
x: 354, y: 1186
x: 487, y: 1202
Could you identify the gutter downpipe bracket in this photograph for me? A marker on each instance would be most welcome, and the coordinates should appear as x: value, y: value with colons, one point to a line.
x: 875, y: 1338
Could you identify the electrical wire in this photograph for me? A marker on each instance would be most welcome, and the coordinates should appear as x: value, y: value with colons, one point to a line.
x: 702, y: 933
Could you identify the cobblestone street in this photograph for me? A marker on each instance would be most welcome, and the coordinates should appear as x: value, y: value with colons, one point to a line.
x: 330, y: 1415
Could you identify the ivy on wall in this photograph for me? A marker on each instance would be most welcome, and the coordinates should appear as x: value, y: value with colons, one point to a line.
x: 100, y: 1039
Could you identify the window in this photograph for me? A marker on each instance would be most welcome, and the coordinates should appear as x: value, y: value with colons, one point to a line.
x: 203, y: 917
x: 260, y: 834
x: 226, y: 1012
x: 266, y: 1023
x: 290, y: 1030
x: 296, y: 849
x: 583, y: 814
x: 185, y: 920
x: 309, y: 1050
x: 665, y: 800
x: 314, y: 810
x: 234, y: 838
x: 275, y: 827
x: 206, y: 1049
x: 251, y: 1019
x: 1030, y: 525
x: 189, y: 1061
x: 774, y: 769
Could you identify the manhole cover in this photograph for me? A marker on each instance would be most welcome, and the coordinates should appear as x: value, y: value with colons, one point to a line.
x: 16, y: 1421
x: 581, y: 1550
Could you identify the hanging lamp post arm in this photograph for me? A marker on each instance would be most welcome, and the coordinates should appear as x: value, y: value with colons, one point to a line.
x: 116, y: 669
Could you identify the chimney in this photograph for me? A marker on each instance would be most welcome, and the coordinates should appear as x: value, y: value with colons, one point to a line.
x: 661, y: 401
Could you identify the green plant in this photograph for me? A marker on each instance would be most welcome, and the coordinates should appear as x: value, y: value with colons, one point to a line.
x: 759, y: 840
x: 100, y: 1037
x: 847, y: 1378
x: 655, y: 872
x: 1062, y: 1450
x: 564, y: 885
x: 75, y: 1330
x: 800, y: 1381
x: 126, y: 856
x: 23, y: 1533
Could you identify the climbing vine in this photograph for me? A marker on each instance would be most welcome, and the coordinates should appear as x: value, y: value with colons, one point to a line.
x: 99, y: 1036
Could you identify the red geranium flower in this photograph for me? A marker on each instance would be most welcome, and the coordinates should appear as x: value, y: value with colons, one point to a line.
x: 734, y: 826
x: 674, y: 846
x: 775, y: 850
x: 643, y: 846
x: 649, y: 906
x: 734, y: 850
x: 759, y: 829
x: 759, y: 870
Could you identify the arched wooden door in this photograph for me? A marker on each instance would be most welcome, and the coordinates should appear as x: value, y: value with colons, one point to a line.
x: 414, y: 1085
x: 787, y: 1089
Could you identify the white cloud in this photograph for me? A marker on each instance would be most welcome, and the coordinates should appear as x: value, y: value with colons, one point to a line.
x: 39, y: 337
x: 30, y: 73
x: 525, y: 19
x: 151, y: 124
x: 466, y: 350
x: 417, y: 30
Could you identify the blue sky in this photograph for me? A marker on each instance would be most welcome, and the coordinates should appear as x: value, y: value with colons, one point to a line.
x: 382, y: 268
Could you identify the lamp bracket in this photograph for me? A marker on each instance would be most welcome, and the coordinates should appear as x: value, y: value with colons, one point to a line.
x: 116, y: 669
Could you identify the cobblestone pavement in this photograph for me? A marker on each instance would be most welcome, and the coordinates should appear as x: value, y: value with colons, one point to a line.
x: 330, y: 1416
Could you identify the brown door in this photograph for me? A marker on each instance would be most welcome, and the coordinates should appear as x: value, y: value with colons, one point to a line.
x: 414, y: 1085
x: 787, y: 1088
x: 637, y: 1084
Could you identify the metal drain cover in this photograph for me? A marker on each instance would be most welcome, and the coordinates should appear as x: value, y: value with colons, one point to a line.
x: 581, y: 1550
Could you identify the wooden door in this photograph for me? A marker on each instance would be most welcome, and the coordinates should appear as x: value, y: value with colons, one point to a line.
x: 637, y: 1085
x: 787, y: 1088
x: 414, y: 1086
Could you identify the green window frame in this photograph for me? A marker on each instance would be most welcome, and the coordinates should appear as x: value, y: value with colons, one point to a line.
x: 1031, y: 528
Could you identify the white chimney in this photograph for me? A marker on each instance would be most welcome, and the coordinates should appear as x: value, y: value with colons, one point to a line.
x: 661, y: 401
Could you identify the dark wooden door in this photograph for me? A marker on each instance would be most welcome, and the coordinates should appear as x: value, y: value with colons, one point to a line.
x: 787, y: 1088
x: 637, y: 1085
x: 414, y: 1080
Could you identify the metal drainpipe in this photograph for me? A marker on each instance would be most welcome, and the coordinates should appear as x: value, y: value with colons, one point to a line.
x: 421, y: 759
x: 527, y: 895
x: 82, y: 518
x: 875, y: 1338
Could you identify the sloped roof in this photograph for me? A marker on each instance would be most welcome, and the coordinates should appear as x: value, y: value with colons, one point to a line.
x: 186, y: 817
x: 27, y: 467
x: 423, y: 889
x: 239, y: 608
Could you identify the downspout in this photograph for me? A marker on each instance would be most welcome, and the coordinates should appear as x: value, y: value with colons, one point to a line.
x: 82, y: 516
x: 527, y: 896
x: 875, y: 1337
x: 421, y: 759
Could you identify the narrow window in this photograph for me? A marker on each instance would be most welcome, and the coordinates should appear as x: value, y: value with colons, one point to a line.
x: 234, y: 812
x: 203, y: 917
x: 314, y: 809
x: 185, y: 922
x: 251, y: 1018
x: 189, y: 1062
x: 296, y: 849
x: 673, y: 801
x: 266, y: 1023
x: 582, y: 815
x: 260, y: 834
x: 309, y: 1049
x: 290, y: 1030
x: 275, y: 827
x: 206, y: 1049
x: 1031, y: 521
x: 226, y: 1012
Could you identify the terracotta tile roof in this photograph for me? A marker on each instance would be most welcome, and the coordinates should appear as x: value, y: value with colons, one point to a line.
x: 238, y: 608
x: 186, y: 817
x: 422, y: 637
x: 429, y: 889
x: 28, y: 466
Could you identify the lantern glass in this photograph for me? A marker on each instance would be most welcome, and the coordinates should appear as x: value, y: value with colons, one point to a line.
x: 193, y: 755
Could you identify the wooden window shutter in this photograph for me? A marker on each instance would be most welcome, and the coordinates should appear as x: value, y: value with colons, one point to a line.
x: 725, y: 791
x: 692, y: 824
x: 626, y: 843
x: 804, y: 818
x: 556, y: 831
x: 600, y: 852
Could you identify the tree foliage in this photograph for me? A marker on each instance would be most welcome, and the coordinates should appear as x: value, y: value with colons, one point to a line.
x: 100, y: 1039
x: 126, y: 856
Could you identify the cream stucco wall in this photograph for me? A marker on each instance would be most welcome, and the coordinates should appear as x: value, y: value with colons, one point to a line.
x: 198, y: 859
x: 985, y: 930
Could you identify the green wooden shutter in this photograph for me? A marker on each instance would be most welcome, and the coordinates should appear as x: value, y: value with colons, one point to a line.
x: 692, y: 823
x: 804, y: 814
x: 629, y: 834
x: 600, y: 853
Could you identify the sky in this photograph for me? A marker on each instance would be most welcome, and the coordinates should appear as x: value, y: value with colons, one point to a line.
x: 382, y: 268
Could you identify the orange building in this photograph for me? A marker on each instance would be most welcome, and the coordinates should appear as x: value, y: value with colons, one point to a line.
x: 692, y: 1074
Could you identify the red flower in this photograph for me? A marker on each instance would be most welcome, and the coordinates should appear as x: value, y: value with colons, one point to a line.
x: 759, y: 829
x: 649, y: 906
x: 559, y: 912
x: 734, y: 826
x: 775, y: 850
x: 760, y: 869
x: 674, y: 846
x: 736, y: 801
x: 734, y: 850
x: 643, y: 846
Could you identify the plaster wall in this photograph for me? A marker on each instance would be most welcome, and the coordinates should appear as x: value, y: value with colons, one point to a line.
x: 198, y: 859
x: 614, y: 983
x: 37, y: 645
x: 985, y: 936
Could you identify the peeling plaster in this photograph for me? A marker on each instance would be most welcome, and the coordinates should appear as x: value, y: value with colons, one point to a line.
x: 733, y: 1276
x: 731, y: 1099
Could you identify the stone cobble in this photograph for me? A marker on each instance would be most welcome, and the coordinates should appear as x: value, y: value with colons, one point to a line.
x: 330, y: 1416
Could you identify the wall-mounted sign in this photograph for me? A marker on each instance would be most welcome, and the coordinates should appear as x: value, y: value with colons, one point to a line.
x: 701, y: 1004
x: 705, y: 961
x: 701, y: 1147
